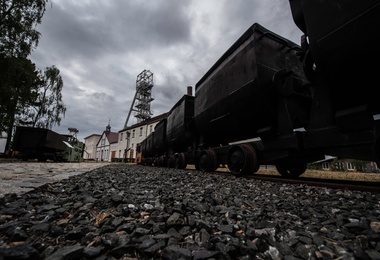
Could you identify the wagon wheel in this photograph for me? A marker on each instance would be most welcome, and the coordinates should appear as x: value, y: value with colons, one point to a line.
x: 242, y: 159
x: 291, y: 170
x: 171, y: 161
x: 180, y: 161
x: 147, y: 161
x: 150, y: 161
x: 163, y: 161
x: 208, y: 161
x: 160, y: 161
x: 42, y: 158
x: 155, y: 161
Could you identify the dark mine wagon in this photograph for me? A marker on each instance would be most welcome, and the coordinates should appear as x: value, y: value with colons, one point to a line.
x: 44, y: 144
x: 257, y: 89
x: 38, y: 143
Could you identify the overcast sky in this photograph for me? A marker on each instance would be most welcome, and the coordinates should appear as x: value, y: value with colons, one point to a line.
x: 100, y: 46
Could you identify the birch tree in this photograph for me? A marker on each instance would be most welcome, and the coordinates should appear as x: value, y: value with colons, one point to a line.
x: 48, y: 109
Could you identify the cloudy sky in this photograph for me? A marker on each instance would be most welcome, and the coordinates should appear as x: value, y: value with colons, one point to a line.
x: 100, y: 46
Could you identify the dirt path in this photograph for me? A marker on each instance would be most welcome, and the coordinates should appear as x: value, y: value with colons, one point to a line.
x: 20, y: 177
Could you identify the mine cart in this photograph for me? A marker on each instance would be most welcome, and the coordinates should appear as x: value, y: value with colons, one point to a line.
x: 257, y: 89
x: 257, y: 85
x: 38, y: 143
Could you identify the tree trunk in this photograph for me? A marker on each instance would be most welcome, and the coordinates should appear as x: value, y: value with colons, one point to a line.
x: 9, y: 138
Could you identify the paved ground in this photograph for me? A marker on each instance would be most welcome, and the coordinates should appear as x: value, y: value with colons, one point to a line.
x: 20, y: 177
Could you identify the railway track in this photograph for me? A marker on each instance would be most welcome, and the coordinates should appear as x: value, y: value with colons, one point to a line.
x: 371, y: 186
x: 360, y: 185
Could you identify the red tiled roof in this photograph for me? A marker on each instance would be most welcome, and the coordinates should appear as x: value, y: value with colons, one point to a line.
x: 112, y: 137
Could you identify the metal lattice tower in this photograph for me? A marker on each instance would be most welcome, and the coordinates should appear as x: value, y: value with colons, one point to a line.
x: 143, y: 95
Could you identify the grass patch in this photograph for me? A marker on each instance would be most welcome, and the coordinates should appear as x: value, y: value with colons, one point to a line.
x: 350, y: 175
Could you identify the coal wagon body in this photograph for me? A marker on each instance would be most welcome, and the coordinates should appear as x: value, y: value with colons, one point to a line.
x: 241, y: 95
x: 159, y: 143
x: 147, y: 150
x: 44, y: 144
x: 340, y: 55
x: 178, y: 130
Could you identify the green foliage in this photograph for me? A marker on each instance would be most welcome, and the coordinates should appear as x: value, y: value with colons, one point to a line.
x: 314, y: 166
x: 19, y: 82
x: 18, y: 20
x: 48, y: 108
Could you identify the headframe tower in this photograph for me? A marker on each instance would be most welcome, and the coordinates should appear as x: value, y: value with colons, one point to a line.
x: 143, y: 96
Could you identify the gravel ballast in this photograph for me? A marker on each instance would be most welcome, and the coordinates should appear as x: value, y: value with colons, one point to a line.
x: 136, y: 212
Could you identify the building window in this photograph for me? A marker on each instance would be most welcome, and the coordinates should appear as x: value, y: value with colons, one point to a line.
x: 133, y: 133
x: 325, y: 166
x: 121, y: 136
x: 350, y: 166
x: 103, y: 141
x: 141, y: 131
x: 339, y: 166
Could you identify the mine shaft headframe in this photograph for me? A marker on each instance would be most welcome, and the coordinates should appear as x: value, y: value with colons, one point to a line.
x: 144, y: 81
x: 144, y: 85
x: 143, y: 95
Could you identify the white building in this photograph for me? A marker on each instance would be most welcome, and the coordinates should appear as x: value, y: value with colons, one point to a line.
x: 90, y: 143
x: 121, y: 146
x: 131, y: 137
x: 105, y: 146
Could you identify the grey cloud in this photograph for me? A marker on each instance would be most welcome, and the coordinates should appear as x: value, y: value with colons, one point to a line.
x: 95, y: 30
